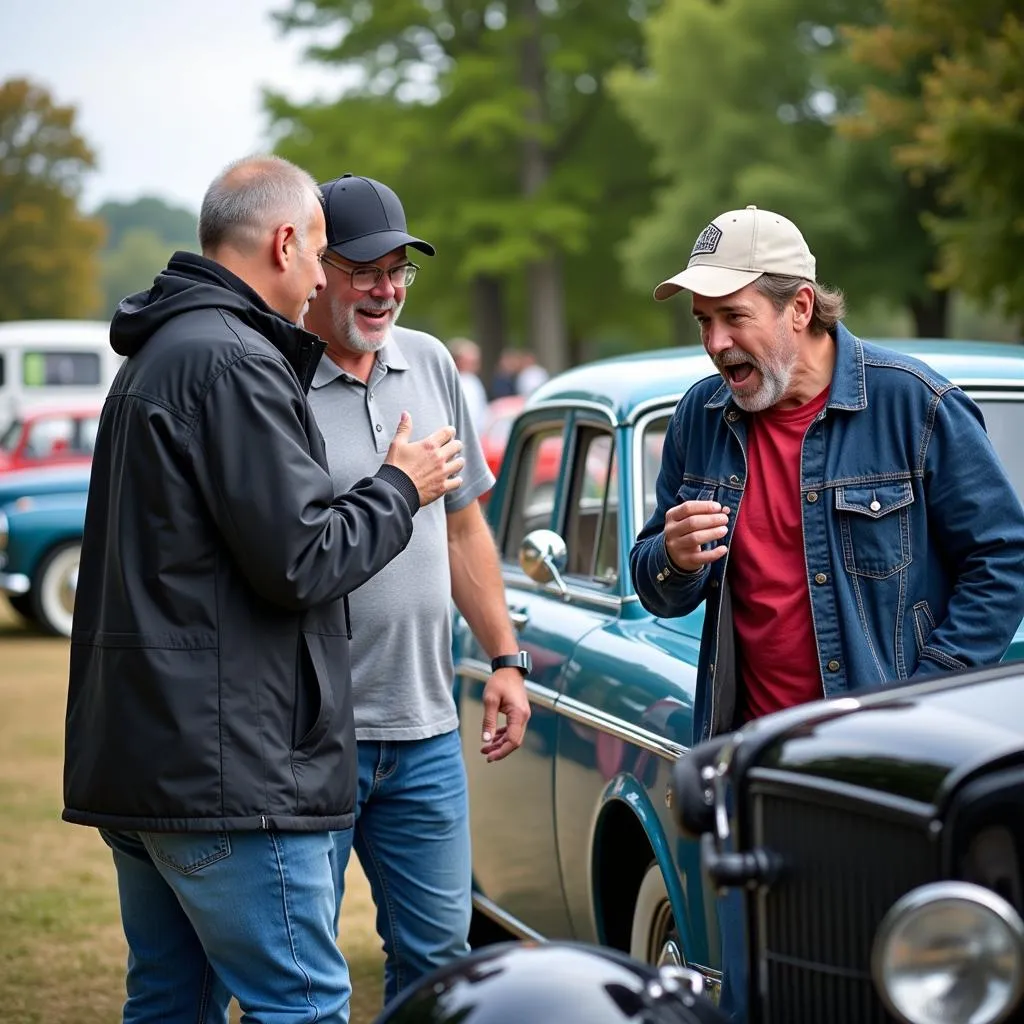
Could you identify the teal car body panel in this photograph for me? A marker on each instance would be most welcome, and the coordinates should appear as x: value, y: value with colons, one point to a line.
x: 612, y: 687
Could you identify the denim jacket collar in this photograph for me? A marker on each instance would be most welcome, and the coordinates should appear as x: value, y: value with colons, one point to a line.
x: 848, y: 386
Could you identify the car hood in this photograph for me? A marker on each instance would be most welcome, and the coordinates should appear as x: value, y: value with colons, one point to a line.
x: 21, y: 482
x: 917, y: 741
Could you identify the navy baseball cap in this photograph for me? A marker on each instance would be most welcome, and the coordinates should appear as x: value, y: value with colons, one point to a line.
x: 365, y: 219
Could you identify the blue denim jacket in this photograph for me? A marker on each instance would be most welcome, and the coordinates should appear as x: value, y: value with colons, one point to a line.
x: 913, y: 535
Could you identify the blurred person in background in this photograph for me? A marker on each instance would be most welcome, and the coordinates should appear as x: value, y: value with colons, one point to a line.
x: 503, y: 381
x: 209, y: 731
x: 466, y: 354
x: 530, y: 376
x: 412, y: 815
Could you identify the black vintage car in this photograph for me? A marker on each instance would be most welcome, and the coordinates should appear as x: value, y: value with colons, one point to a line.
x: 879, y: 843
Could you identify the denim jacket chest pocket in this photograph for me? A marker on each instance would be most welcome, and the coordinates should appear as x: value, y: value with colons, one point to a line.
x: 874, y: 522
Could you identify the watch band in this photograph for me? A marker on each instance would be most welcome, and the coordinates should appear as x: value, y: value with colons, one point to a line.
x: 521, y: 661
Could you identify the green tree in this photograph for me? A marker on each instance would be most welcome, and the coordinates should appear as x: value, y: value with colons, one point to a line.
x: 740, y: 103
x: 141, y: 235
x: 491, y: 121
x: 961, y: 129
x: 47, y: 246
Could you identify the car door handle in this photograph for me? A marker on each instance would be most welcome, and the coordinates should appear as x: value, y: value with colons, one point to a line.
x: 519, y: 616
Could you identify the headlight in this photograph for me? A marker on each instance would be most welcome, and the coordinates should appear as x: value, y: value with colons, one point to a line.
x: 3, y: 532
x: 950, y: 953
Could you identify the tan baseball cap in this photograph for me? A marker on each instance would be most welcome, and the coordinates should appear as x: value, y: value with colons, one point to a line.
x: 735, y: 249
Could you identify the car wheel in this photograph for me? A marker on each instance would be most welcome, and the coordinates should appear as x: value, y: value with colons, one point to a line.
x: 654, y: 938
x: 53, y: 589
x: 22, y: 604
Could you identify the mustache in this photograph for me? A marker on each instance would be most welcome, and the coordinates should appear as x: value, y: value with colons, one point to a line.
x: 732, y: 358
x: 378, y: 305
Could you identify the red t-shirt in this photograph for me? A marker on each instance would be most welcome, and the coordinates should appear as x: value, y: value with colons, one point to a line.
x: 776, y: 654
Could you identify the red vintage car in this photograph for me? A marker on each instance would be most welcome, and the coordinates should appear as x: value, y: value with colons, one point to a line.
x: 51, y: 436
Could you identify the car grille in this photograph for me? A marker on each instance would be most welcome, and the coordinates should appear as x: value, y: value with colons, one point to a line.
x: 814, y: 928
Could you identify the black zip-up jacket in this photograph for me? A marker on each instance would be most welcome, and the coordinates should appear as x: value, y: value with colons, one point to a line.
x: 209, y: 683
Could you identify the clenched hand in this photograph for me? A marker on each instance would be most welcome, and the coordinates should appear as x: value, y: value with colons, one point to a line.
x: 691, y: 525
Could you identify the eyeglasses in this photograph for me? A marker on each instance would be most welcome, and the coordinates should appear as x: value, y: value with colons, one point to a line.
x: 366, y: 278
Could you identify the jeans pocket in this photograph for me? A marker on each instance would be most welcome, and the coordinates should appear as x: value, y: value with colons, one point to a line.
x: 187, y: 852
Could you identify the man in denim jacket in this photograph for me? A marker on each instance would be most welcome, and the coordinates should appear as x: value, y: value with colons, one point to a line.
x: 839, y: 505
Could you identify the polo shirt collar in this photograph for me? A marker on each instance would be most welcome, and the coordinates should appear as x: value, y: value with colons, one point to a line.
x: 390, y: 357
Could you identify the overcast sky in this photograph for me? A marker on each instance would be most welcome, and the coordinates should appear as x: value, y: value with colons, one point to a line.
x: 167, y: 92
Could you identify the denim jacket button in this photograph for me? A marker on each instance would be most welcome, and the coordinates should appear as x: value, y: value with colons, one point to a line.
x: 833, y: 665
x: 820, y: 578
x: 732, y: 415
x: 812, y: 496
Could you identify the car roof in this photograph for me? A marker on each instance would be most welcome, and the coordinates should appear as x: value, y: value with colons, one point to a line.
x: 626, y: 385
x: 63, y: 332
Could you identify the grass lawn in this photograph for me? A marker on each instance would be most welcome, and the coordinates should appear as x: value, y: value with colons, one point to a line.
x: 62, y: 953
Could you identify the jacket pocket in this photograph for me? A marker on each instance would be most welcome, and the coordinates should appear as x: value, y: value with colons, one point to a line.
x: 314, y: 701
x: 924, y: 625
x: 874, y: 522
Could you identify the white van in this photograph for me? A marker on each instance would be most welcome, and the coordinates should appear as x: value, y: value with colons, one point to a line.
x: 52, y: 363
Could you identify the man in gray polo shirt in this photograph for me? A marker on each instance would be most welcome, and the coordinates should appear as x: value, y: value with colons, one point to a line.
x: 412, y: 816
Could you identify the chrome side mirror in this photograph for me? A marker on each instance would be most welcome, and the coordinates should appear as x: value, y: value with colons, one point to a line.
x: 543, y: 557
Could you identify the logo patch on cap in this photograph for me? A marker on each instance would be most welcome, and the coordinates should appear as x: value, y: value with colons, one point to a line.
x: 707, y: 241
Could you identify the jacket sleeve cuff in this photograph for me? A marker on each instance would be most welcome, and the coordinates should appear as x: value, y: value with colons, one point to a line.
x: 401, y: 483
x: 667, y: 569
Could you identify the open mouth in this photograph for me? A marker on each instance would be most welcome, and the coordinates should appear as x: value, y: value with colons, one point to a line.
x: 738, y: 372
x: 375, y: 316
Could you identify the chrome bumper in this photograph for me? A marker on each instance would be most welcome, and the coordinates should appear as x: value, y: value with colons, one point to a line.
x: 14, y: 583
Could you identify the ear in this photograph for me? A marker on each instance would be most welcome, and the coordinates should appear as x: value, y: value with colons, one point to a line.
x: 803, y: 307
x: 284, y: 245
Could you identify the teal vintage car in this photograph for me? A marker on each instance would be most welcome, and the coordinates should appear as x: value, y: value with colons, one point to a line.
x: 573, y: 836
x: 42, y: 513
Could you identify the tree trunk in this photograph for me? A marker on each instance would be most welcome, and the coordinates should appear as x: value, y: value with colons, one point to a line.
x: 931, y: 315
x: 488, y: 304
x: 545, y: 287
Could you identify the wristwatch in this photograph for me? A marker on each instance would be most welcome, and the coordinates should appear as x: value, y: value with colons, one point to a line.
x: 521, y: 661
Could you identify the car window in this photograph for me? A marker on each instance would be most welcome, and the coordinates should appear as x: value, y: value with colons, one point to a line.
x: 60, y: 369
x: 592, y: 533
x: 533, y: 488
x: 45, y: 433
x: 1005, y: 424
x: 653, y: 441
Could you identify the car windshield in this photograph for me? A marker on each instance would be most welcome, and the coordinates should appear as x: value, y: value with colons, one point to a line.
x: 1005, y: 423
x: 9, y: 438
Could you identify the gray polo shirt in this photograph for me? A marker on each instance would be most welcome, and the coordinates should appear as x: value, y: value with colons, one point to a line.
x: 401, y: 618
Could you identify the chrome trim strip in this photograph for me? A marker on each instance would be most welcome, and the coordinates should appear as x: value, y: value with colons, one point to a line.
x: 1003, y: 388
x: 573, y: 403
x: 663, y: 403
x: 506, y: 920
x: 571, y: 708
x: 643, y: 738
x: 610, y: 602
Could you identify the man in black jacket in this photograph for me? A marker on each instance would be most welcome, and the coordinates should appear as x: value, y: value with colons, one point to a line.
x: 209, y: 726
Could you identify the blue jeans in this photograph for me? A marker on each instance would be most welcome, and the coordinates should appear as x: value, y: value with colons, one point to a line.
x: 211, y: 914
x: 412, y: 839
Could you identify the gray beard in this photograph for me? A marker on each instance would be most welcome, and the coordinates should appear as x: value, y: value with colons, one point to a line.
x: 358, y: 341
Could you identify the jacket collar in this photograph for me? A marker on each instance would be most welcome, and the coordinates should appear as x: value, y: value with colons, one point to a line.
x: 848, y: 389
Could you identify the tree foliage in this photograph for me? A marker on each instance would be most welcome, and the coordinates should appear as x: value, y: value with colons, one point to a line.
x: 47, y: 247
x: 491, y: 121
x: 962, y: 129
x: 740, y: 103
x: 141, y: 235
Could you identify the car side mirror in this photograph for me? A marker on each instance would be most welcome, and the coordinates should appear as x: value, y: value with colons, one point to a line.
x: 543, y: 557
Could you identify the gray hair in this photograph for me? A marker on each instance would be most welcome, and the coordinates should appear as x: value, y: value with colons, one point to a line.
x: 253, y: 196
x: 829, y: 303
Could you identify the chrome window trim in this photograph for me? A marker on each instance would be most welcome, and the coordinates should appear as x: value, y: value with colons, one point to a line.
x: 569, y: 707
x: 637, y: 459
x: 666, y: 402
x: 579, y: 595
x: 572, y: 404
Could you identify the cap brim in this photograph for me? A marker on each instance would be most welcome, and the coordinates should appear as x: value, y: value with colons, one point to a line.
x: 704, y: 280
x: 380, y: 243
